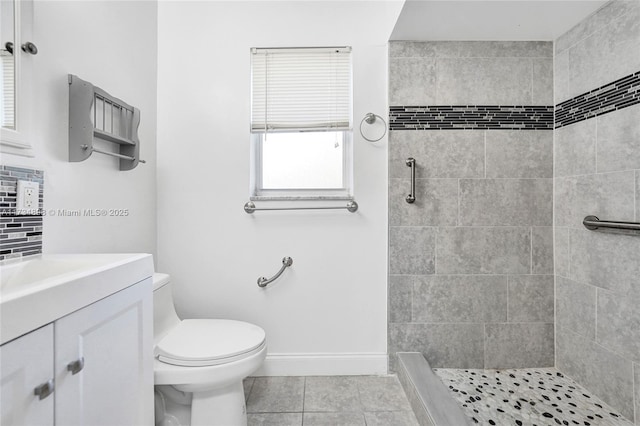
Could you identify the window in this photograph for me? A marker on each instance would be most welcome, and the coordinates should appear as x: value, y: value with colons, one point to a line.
x: 301, y: 123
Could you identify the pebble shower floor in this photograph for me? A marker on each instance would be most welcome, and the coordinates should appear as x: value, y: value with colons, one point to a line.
x: 526, y: 397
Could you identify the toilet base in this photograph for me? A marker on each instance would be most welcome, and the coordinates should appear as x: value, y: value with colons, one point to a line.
x: 219, y: 407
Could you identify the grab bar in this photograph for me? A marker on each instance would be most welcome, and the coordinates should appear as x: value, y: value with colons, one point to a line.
x: 411, y: 162
x: 250, y: 207
x: 592, y: 223
x: 286, y: 262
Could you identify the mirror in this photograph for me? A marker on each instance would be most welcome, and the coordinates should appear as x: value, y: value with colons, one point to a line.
x: 7, y: 71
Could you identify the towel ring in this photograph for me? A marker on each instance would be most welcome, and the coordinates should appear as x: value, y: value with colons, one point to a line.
x: 371, y: 118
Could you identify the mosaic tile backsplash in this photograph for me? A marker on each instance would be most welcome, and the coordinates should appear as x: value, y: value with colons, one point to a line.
x: 19, y: 235
x: 471, y: 117
x: 614, y: 96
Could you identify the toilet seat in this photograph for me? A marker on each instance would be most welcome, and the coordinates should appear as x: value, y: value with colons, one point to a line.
x: 209, y: 342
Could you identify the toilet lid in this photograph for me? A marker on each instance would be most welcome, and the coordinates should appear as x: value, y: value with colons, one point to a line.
x: 200, y: 342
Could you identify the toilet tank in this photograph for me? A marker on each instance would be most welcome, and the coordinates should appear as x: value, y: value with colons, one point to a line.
x: 164, y: 312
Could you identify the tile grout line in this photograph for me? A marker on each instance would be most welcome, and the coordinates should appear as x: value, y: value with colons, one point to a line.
x: 636, y: 407
x: 530, y: 251
x: 595, y: 332
x: 484, y: 345
x: 304, y: 394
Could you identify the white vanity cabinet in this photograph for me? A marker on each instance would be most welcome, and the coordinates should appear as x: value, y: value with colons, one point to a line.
x: 100, y: 358
x: 26, y: 363
x: 111, y: 344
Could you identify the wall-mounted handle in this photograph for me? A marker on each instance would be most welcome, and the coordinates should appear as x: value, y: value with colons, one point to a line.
x: 411, y: 162
x: 286, y: 262
x: 76, y: 366
x: 44, y: 390
x: 30, y: 48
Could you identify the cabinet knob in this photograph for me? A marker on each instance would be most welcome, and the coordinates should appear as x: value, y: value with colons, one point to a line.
x: 76, y: 366
x: 8, y: 46
x: 30, y: 48
x: 45, y: 389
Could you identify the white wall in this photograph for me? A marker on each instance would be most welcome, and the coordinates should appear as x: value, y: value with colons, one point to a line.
x: 327, y: 314
x: 113, y: 45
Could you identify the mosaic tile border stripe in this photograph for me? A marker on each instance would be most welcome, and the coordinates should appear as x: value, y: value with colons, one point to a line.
x: 19, y: 235
x: 471, y: 117
x: 620, y: 94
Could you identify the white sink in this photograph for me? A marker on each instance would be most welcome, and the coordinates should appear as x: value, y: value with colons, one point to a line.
x: 39, y: 290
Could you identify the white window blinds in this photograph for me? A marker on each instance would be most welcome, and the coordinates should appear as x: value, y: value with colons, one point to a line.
x: 301, y: 89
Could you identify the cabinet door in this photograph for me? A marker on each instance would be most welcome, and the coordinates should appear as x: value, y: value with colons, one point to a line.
x: 114, y: 339
x: 26, y: 363
x: 17, y: 70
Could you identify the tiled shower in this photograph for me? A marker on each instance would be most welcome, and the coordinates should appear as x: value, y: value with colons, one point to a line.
x: 502, y: 184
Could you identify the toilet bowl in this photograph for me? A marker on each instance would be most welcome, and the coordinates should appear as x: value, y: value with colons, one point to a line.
x: 200, y: 364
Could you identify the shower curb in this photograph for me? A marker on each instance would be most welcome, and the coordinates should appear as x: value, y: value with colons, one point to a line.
x: 428, y: 396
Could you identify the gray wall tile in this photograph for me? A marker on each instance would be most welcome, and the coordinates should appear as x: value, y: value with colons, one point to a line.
x: 575, y: 149
x: 411, y: 49
x: 471, y: 49
x: 400, y: 296
x: 460, y: 298
x: 637, y: 195
x: 493, y: 250
x: 542, y: 250
x: 604, y: 373
x: 494, y: 81
x: 607, y: 261
x: 607, y: 196
x: 518, y: 154
x: 619, y: 140
x: 561, y: 77
x: 618, y: 325
x: 561, y: 251
x: 519, y: 345
x: 505, y: 49
x: 576, y: 307
x: 605, y: 16
x: 412, y: 81
x: 500, y: 202
x: 450, y: 154
x: 605, y: 56
x: 411, y: 250
x: 443, y: 345
x: 436, y: 202
x: 542, y: 81
x: 531, y: 298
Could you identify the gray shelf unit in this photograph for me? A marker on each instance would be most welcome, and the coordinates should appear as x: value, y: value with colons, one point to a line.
x: 93, y: 113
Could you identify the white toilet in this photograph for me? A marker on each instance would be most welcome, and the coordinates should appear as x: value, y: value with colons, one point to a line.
x: 200, y: 364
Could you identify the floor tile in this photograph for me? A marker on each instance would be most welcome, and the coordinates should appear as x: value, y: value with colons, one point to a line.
x: 331, y: 393
x: 542, y: 396
x: 382, y: 393
x: 388, y: 418
x: 247, y: 385
x: 276, y: 395
x: 274, y: 419
x: 333, y: 419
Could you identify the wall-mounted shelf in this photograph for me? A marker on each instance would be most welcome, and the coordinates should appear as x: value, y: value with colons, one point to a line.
x: 93, y: 113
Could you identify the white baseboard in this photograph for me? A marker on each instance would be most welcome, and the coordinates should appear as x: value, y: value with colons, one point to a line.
x: 324, y: 364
